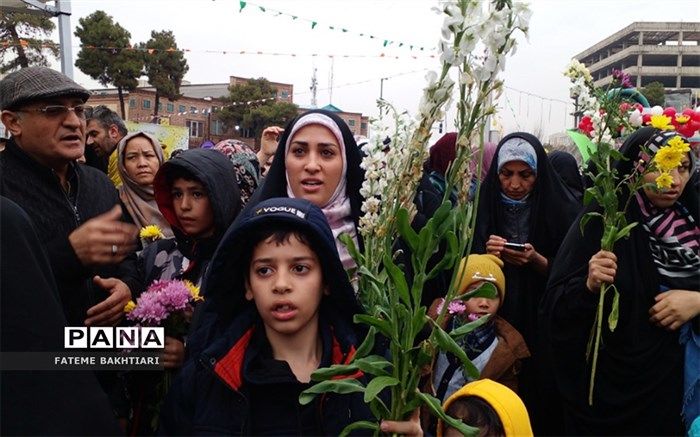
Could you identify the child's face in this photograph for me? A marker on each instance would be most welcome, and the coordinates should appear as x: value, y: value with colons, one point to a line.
x: 193, y: 208
x: 286, y: 282
x: 481, y: 305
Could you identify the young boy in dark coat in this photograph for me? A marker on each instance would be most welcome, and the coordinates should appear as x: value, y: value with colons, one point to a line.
x: 278, y: 306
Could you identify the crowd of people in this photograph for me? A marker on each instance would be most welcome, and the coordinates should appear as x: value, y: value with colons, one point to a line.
x: 259, y: 232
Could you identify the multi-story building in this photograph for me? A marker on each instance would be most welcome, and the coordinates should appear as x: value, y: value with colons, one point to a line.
x: 649, y: 52
x: 197, y: 107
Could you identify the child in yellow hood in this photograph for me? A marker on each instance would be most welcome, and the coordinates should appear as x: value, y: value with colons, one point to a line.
x: 492, y: 407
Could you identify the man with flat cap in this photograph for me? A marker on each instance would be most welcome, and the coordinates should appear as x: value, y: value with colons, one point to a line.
x: 74, y: 208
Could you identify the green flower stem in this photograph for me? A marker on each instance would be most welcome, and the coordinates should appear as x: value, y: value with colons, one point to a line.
x: 596, y: 347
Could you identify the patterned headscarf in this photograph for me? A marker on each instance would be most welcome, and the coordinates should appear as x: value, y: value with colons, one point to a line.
x: 246, y: 164
x: 139, y: 200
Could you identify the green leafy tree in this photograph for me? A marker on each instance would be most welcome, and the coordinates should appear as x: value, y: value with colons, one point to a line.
x: 165, y: 65
x: 106, y: 54
x: 24, y: 43
x: 255, y: 117
x: 654, y: 92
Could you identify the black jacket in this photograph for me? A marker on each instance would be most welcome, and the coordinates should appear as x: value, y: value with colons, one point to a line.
x: 50, y: 401
x: 212, y: 393
x: 638, y: 385
x: 55, y: 214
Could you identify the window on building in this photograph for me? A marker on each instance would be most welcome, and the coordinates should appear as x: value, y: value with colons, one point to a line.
x: 181, y: 108
x: 284, y: 95
x: 193, y: 109
x: 196, y: 128
x: 217, y: 127
x: 160, y: 106
x: 363, y: 126
x: 351, y: 123
x: 132, y: 103
x: 170, y: 107
x: 146, y: 104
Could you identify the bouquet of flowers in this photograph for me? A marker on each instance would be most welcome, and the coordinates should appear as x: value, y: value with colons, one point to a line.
x: 608, y: 113
x: 168, y: 304
x: 474, y: 45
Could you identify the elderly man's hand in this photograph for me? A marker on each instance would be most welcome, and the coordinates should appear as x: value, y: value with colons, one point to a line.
x: 104, y: 239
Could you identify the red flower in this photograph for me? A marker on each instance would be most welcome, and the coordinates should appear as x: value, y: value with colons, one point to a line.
x: 586, y: 125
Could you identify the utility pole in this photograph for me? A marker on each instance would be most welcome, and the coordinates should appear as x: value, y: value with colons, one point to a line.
x: 330, y: 97
x: 314, y: 88
x: 62, y: 10
x: 381, y: 87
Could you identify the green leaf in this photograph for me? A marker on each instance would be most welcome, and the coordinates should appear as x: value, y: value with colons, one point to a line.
x: 486, y: 289
x: 450, y: 257
x: 398, y: 278
x: 374, y: 365
x: 352, y: 249
x: 447, y: 344
x: 326, y: 373
x: 590, y: 194
x: 443, y: 211
x: 586, y: 217
x: 610, y: 200
x: 425, y: 238
x: 379, y: 408
x: 367, y: 344
x: 341, y: 386
x: 361, y: 424
x: 434, y: 406
x: 468, y: 327
x: 624, y: 232
x: 419, y: 320
x: 615, y: 310
x: 378, y: 384
x: 382, y: 326
x: 405, y: 230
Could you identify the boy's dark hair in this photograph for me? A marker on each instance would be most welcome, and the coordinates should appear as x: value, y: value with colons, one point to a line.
x: 178, y: 172
x: 474, y: 411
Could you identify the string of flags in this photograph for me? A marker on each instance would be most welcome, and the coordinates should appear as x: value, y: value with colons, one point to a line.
x: 315, y: 24
x: 115, y: 50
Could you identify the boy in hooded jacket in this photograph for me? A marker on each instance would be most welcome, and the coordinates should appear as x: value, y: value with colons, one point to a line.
x: 278, y: 305
x: 198, y: 195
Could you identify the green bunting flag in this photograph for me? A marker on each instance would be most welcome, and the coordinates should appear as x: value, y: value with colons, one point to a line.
x: 385, y: 42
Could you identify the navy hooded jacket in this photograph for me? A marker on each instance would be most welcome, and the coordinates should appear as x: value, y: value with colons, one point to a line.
x: 163, y: 258
x: 211, y: 395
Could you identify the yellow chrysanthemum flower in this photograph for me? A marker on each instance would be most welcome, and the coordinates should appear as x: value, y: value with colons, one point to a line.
x: 668, y: 158
x: 661, y: 122
x: 682, y: 119
x: 664, y: 181
x: 194, y: 291
x: 151, y: 233
x: 129, y: 307
x: 678, y: 144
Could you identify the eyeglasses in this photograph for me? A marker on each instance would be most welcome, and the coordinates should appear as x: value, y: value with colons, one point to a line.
x: 55, y: 111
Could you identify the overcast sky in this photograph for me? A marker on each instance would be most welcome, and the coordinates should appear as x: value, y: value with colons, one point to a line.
x: 559, y: 29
